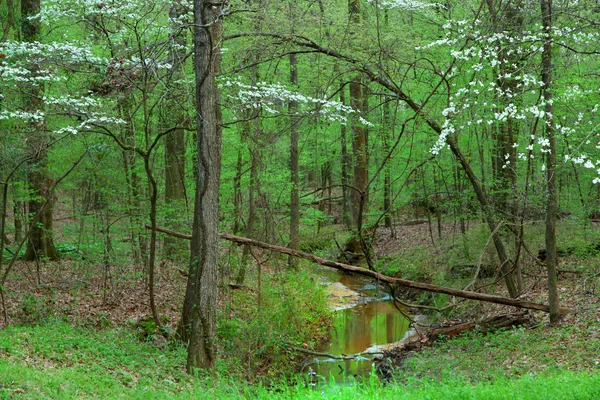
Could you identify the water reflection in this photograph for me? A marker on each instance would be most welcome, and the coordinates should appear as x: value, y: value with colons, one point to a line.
x: 360, y: 328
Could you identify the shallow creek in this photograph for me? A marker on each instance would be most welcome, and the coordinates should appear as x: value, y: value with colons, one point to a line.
x: 365, y: 320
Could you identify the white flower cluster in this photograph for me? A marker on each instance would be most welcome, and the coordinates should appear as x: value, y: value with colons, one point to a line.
x: 79, y: 102
x: 447, y: 129
x: 36, y: 116
x: 62, y: 53
x: 54, y: 10
x: 407, y: 5
x: 272, y: 97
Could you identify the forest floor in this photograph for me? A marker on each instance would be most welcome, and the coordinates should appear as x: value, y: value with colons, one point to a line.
x: 78, y: 292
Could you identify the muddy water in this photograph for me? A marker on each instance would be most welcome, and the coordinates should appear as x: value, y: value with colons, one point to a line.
x: 359, y: 328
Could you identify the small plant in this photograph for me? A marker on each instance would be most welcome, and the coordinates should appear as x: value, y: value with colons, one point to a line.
x: 69, y: 251
x: 32, y: 310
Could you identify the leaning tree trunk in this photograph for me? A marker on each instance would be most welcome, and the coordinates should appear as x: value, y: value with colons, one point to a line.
x: 40, y: 244
x: 200, y: 304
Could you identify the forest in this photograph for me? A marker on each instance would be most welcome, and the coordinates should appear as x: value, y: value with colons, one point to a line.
x: 300, y: 199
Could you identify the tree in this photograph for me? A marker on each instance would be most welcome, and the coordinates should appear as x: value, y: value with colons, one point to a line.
x: 200, y: 304
x: 175, y: 113
x: 40, y: 243
x: 360, y: 149
x: 294, y: 160
x: 552, y: 205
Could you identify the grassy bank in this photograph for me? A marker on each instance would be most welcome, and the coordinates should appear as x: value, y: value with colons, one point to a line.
x: 57, y: 360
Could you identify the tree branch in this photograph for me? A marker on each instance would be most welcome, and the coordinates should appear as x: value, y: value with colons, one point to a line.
x: 375, y: 275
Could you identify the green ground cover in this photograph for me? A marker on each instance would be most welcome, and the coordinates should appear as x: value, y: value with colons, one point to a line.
x: 57, y: 360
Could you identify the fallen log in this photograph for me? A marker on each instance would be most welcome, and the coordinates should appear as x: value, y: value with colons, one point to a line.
x: 428, y: 337
x: 490, y: 298
x: 502, y: 321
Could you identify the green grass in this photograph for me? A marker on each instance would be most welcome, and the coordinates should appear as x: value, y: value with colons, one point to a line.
x: 512, y: 353
x: 60, y: 361
x: 560, y: 385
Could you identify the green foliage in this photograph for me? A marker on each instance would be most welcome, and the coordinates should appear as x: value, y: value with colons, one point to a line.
x: 254, y: 337
x: 313, y: 240
x: 145, y: 328
x: 69, y: 251
x: 475, y: 357
x: 60, y: 361
x: 33, y: 310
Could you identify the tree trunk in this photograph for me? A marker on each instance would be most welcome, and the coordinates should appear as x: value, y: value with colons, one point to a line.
x: 294, y: 162
x: 237, y: 195
x: 138, y: 239
x: 249, y: 231
x: 346, y: 162
x: 387, y: 176
x: 359, y: 133
x: 40, y: 244
x: 18, y: 211
x: 200, y: 305
x: 508, y: 19
x: 175, y: 141
x: 552, y: 205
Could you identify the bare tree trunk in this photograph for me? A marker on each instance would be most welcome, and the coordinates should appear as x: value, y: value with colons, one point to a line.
x: 492, y: 223
x: 359, y: 150
x: 200, y: 305
x: 552, y: 205
x: 509, y: 19
x: 138, y: 239
x: 18, y: 212
x: 40, y: 244
x: 387, y: 177
x: 294, y: 162
x: 346, y: 162
x: 252, y: 134
x: 175, y: 141
x: 237, y: 195
x: 359, y: 133
x: 249, y: 231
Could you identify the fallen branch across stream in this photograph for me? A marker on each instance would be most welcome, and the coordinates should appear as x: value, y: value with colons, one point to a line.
x: 333, y: 356
x: 490, y: 298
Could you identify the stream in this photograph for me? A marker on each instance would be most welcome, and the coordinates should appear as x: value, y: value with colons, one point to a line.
x: 365, y: 319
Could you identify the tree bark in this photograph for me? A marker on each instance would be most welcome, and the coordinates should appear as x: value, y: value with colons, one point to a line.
x: 552, y: 205
x: 175, y: 114
x: 128, y: 137
x: 294, y: 165
x: 200, y: 304
x: 508, y: 18
x: 359, y: 133
x: 387, y: 176
x: 346, y: 162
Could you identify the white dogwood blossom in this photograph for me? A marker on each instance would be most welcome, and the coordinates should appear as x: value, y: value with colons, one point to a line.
x: 271, y: 98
